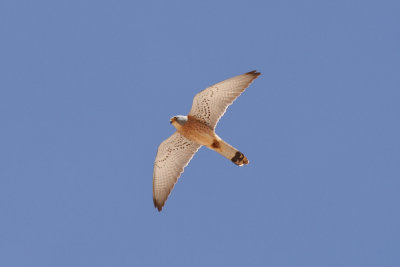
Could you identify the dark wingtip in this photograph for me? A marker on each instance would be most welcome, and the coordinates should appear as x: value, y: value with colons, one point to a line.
x: 156, y: 205
x: 254, y: 72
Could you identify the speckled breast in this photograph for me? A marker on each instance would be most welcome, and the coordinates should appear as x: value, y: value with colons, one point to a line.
x: 198, y: 131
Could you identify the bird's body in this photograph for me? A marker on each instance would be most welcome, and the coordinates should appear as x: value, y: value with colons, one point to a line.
x: 196, y: 130
x: 199, y: 132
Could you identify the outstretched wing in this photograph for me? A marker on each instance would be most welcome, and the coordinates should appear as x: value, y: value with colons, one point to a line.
x: 210, y: 104
x: 172, y: 157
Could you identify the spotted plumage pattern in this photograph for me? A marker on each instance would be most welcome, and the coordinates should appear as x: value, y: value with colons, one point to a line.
x: 210, y: 104
x: 172, y: 157
x: 196, y: 130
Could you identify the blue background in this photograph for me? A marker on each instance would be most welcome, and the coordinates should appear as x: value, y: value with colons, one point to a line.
x: 87, y: 89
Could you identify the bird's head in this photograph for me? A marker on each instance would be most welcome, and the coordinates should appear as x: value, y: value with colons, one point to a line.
x: 178, y: 121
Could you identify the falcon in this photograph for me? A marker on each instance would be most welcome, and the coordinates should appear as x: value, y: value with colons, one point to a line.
x: 195, y: 130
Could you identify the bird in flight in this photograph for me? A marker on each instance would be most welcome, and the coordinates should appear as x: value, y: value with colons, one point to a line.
x: 195, y: 130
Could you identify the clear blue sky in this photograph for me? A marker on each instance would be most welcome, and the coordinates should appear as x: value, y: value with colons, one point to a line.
x: 87, y: 89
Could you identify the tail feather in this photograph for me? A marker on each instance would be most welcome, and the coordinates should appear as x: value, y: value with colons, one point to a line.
x: 229, y: 152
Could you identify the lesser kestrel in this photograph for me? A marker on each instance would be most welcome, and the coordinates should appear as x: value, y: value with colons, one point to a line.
x: 195, y: 130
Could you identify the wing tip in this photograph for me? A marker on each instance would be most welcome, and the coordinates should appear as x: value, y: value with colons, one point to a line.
x: 254, y: 73
x: 158, y: 205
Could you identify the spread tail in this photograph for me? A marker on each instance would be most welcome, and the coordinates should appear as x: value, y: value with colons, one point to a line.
x: 229, y: 152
